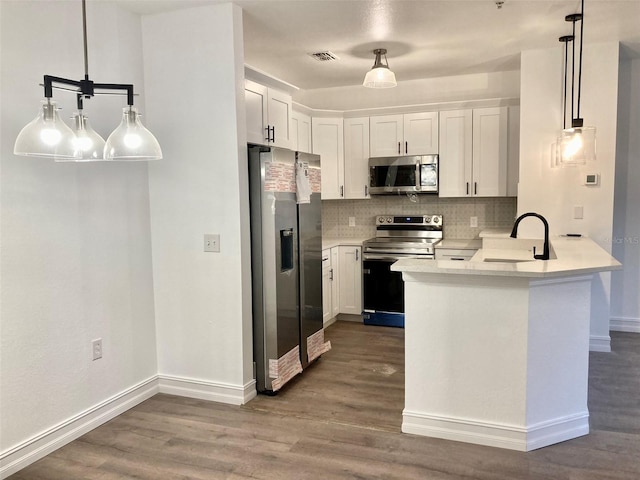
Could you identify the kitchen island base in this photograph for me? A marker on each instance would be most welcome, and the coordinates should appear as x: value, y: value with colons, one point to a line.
x: 497, y: 360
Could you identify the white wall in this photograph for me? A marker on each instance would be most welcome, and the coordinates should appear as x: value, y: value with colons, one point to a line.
x: 553, y: 192
x: 194, y: 61
x: 459, y: 88
x: 625, y: 285
x: 75, y: 238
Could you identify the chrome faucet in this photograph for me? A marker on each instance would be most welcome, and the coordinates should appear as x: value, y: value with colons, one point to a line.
x: 514, y: 234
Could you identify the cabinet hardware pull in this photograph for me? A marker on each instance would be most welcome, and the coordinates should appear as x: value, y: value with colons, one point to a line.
x: 273, y: 134
x: 398, y: 148
x: 268, y: 138
x: 475, y: 188
x: 366, y: 190
x: 457, y: 258
x: 357, y: 255
x: 467, y: 188
x: 342, y: 190
x: 406, y: 147
x: 331, y: 274
x: 325, y: 259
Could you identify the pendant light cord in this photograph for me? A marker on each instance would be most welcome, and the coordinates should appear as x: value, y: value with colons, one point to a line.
x: 580, y: 61
x: 573, y: 69
x: 566, y: 59
x: 84, y: 38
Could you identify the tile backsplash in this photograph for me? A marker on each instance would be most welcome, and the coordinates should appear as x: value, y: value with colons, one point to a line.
x: 456, y: 212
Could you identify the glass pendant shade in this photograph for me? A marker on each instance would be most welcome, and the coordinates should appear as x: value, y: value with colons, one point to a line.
x: 47, y: 136
x: 577, y: 146
x: 89, y: 144
x: 380, y: 77
x: 131, y: 140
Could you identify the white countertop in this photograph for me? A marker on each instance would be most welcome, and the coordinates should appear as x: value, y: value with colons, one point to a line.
x: 347, y: 242
x: 574, y: 256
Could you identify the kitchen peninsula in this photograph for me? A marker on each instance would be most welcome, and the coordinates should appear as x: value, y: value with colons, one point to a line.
x: 497, y: 348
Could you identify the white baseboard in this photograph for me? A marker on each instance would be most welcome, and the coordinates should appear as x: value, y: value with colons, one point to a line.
x: 599, y: 343
x: 25, y: 453
x: 625, y: 324
x: 510, y: 437
x: 205, y: 390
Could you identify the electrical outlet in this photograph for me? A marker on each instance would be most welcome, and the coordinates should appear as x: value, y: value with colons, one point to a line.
x: 211, y: 242
x: 578, y: 212
x: 96, y: 348
x: 473, y: 222
x: 352, y: 221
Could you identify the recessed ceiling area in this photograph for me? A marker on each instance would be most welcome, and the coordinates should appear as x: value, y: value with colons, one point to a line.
x: 424, y: 38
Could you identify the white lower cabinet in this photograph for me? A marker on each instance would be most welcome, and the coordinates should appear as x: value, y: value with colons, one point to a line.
x: 341, y: 281
x: 350, y: 278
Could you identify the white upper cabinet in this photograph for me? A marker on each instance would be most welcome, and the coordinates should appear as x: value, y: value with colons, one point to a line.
x: 421, y: 133
x: 490, y: 142
x: 356, y: 157
x: 301, y: 132
x: 473, y: 152
x: 268, y: 115
x: 408, y: 134
x: 328, y: 142
x: 456, y: 153
x: 386, y: 135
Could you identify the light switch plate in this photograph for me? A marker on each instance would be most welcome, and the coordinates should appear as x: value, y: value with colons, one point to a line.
x: 578, y: 212
x: 473, y: 222
x: 211, y: 242
x: 352, y: 221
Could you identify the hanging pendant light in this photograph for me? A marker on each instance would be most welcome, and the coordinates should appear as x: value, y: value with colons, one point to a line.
x: 131, y: 140
x: 48, y: 136
x: 576, y: 145
x: 380, y: 76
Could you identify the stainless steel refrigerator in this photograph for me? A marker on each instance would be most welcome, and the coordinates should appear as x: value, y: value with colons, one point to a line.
x: 286, y: 259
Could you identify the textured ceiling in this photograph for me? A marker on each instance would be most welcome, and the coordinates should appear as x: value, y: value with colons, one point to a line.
x: 424, y: 38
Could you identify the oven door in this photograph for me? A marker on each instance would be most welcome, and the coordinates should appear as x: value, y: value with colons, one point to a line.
x: 383, y: 288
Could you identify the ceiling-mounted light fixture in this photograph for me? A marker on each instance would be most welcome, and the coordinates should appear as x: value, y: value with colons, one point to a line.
x: 576, y: 145
x: 48, y: 136
x: 380, y: 76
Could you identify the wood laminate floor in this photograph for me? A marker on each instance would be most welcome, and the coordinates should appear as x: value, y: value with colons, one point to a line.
x: 341, y: 420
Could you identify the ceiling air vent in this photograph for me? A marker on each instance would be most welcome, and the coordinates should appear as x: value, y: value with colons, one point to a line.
x: 325, y: 56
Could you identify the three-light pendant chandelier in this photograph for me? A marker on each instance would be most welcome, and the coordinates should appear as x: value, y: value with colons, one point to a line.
x: 48, y: 136
x: 575, y: 145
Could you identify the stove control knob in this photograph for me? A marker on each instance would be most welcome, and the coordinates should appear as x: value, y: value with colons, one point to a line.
x: 427, y: 219
x: 380, y: 219
x: 389, y: 219
x: 436, y: 220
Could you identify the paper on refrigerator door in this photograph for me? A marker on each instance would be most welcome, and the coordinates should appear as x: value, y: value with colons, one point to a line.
x: 316, y: 345
x: 303, y: 187
x: 285, y: 368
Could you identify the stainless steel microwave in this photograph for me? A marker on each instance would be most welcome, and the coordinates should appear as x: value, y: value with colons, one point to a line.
x: 409, y: 174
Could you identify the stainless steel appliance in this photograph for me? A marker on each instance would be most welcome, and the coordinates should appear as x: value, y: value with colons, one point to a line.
x: 286, y: 260
x: 409, y: 174
x: 396, y: 237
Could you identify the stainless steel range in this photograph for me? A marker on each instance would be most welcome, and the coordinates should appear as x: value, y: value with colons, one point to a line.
x: 396, y: 237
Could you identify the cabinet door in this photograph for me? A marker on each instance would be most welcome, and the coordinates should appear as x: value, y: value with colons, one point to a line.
x: 256, y: 109
x: 456, y: 153
x: 420, y: 133
x: 301, y: 132
x: 386, y: 135
x: 356, y: 157
x: 350, y: 273
x: 513, y: 160
x: 327, y: 141
x: 326, y: 286
x: 279, y: 112
x: 335, y: 282
x: 490, y: 134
